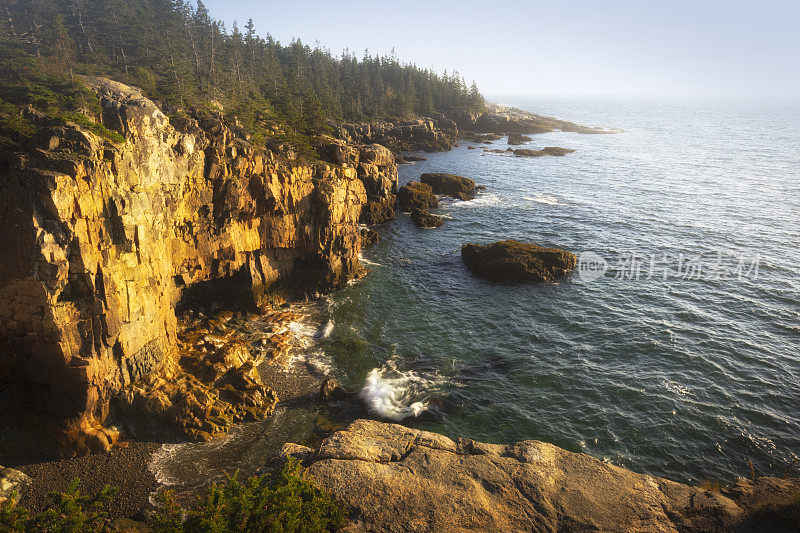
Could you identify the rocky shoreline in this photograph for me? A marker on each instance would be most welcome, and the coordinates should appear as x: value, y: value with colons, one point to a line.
x: 137, y: 266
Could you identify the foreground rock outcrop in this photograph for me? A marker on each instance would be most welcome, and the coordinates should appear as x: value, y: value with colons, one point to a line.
x: 515, y: 261
x: 102, y: 240
x: 393, y: 478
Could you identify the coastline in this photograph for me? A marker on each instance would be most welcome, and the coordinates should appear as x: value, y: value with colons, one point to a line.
x: 295, y: 390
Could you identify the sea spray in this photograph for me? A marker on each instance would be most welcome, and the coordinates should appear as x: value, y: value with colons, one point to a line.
x: 387, y: 397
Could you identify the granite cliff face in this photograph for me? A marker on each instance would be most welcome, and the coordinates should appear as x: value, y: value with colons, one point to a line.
x: 101, y: 241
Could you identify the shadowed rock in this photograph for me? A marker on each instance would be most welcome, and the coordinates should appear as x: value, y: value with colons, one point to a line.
x: 448, y: 184
x: 550, y: 150
x: 424, y: 219
x: 415, y: 195
x: 515, y: 261
x: 515, y: 139
x: 369, y: 237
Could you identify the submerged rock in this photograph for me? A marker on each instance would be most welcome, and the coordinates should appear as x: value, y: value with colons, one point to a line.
x: 424, y: 219
x: 550, y: 150
x: 515, y: 261
x: 394, y: 478
x: 448, y: 184
x: 415, y: 195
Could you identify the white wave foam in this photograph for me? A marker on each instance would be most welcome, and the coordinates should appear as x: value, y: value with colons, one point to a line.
x: 367, y: 261
x: 543, y: 199
x: 317, y: 361
x: 325, y: 331
x: 391, y: 397
x: 483, y: 200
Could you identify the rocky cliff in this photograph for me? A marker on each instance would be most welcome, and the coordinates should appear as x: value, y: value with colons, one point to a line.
x: 393, y: 478
x: 102, y: 239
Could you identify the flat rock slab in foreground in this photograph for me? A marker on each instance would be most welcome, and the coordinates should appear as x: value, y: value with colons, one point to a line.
x: 393, y: 478
x: 515, y: 261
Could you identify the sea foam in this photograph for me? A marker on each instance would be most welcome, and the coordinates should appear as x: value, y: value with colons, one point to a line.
x: 391, y: 397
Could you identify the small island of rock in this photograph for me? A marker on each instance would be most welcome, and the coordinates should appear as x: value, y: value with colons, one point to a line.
x: 515, y: 261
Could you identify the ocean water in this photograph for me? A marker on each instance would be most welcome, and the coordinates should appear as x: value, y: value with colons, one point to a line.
x: 682, y: 360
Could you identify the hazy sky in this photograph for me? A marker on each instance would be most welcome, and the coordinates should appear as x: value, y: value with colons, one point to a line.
x: 726, y: 49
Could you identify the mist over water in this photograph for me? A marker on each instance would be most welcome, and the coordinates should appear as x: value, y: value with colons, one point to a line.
x: 684, y: 378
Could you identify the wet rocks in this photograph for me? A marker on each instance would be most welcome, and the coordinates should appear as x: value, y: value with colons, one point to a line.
x: 448, y: 184
x: 330, y: 390
x: 10, y: 481
x: 415, y: 195
x: 215, y: 382
x: 515, y: 261
x: 399, y: 479
x: 369, y: 237
x: 515, y: 139
x: 424, y: 219
x: 550, y: 150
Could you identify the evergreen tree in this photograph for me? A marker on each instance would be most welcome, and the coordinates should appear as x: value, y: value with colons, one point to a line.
x: 179, y: 55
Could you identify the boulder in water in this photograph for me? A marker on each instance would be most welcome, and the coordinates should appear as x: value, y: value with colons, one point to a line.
x: 549, y: 150
x: 415, y: 195
x: 515, y: 139
x: 424, y: 219
x: 515, y: 261
x: 448, y: 184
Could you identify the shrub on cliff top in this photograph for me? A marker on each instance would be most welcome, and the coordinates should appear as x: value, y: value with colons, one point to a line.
x: 280, y: 502
x: 69, y: 512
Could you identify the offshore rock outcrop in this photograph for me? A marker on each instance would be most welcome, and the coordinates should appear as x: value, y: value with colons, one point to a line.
x: 424, y: 219
x: 505, y: 120
x: 515, y: 261
x: 416, y: 195
x: 548, y: 150
x: 393, y: 478
x: 103, y: 239
x: 449, y: 184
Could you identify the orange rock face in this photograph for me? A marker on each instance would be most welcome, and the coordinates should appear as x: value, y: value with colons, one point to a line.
x: 101, y: 240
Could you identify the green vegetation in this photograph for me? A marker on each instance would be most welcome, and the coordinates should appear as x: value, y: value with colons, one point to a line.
x: 177, y: 54
x: 70, y: 511
x: 280, y: 502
